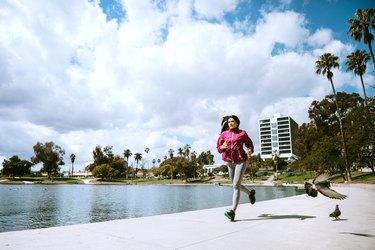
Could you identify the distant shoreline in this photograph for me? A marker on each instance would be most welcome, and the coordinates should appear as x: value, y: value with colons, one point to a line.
x: 358, y: 178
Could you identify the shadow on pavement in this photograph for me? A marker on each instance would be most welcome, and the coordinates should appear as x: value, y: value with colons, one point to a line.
x: 360, y: 234
x: 280, y: 217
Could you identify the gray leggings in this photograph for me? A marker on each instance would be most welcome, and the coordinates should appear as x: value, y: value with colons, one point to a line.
x: 236, y: 171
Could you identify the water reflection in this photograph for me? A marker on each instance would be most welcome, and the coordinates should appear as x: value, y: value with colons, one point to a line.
x: 43, y: 208
x: 37, y: 206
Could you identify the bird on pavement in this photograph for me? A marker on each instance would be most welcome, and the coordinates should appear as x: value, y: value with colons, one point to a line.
x: 336, y: 213
x: 322, y: 185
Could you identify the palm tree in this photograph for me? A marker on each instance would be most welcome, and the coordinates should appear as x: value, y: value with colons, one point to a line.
x: 171, y: 151
x: 323, y: 66
x: 356, y: 62
x: 210, y: 157
x: 360, y: 27
x: 180, y: 152
x: 137, y: 158
x: 72, y: 159
x: 187, y: 150
x: 127, y: 154
x: 147, y: 150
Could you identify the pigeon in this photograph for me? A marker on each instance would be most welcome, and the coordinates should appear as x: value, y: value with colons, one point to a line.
x: 322, y: 185
x: 336, y: 213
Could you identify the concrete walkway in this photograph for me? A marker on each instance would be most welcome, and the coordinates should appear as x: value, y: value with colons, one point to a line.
x: 298, y: 222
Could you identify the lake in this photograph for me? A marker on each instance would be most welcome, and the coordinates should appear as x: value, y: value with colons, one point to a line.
x: 39, y: 206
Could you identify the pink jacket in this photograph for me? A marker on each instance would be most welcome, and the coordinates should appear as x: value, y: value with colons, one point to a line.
x: 237, y: 139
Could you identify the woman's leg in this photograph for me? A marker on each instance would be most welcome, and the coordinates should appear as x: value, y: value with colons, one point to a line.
x: 236, y: 171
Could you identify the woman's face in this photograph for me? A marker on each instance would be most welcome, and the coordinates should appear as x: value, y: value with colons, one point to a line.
x: 232, y: 123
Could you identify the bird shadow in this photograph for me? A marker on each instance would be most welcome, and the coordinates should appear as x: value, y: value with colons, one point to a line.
x: 359, y: 234
x: 339, y: 219
x: 279, y: 217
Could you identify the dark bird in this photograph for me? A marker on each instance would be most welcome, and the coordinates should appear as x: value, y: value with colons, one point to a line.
x: 322, y: 185
x: 336, y: 213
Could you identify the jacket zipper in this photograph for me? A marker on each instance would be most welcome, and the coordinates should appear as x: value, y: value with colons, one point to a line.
x: 231, y: 147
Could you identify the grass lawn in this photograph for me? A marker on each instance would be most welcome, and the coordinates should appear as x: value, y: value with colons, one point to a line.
x: 301, y: 177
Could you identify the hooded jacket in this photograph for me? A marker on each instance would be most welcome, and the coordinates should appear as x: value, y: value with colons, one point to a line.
x: 237, y: 139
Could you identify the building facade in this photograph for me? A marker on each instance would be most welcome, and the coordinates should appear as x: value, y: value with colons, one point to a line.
x: 276, y: 137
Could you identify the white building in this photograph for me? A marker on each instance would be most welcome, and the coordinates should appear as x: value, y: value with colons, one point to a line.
x: 209, y: 169
x: 276, y: 137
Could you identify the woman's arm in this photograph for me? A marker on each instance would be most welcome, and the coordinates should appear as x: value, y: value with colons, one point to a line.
x: 248, y: 144
x: 219, y: 143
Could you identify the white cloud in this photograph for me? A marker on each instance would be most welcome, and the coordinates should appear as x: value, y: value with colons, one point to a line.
x: 286, y: 28
x: 214, y: 9
x: 320, y: 38
x: 160, y: 79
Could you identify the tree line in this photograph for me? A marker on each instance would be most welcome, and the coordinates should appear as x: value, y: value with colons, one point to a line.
x: 107, y: 165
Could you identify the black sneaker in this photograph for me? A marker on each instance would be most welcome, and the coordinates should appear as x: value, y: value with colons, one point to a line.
x: 230, y: 215
x: 252, y: 196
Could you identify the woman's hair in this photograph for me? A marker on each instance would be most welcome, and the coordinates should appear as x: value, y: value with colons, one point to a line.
x: 224, y: 122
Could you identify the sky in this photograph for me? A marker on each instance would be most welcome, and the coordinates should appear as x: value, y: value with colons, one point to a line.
x: 138, y: 74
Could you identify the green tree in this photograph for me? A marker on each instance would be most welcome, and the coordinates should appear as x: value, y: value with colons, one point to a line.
x: 306, y: 136
x: 147, y: 150
x: 127, y: 154
x: 16, y: 167
x: 327, y: 155
x: 101, y: 156
x: 222, y: 168
x: 50, y: 155
x: 206, y: 158
x: 317, y: 143
x: 108, y: 153
x: 186, y: 168
x: 164, y: 170
x: 187, y: 150
x: 254, y: 163
x: 103, y: 171
x: 356, y: 62
x: 361, y: 26
x: 119, y: 165
x: 170, y: 151
x: 180, y: 152
x: 197, y: 168
x: 72, y: 159
x: 360, y: 138
x: 323, y: 66
x: 137, y: 158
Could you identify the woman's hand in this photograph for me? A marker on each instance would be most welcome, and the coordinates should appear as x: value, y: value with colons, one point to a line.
x: 225, y: 145
x: 249, y: 151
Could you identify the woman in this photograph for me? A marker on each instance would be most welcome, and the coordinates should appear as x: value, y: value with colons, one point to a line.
x: 230, y: 144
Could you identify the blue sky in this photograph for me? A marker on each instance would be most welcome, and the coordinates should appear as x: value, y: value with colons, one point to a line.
x: 332, y: 14
x: 161, y: 74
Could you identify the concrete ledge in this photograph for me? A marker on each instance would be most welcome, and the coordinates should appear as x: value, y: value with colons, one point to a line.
x: 298, y: 222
